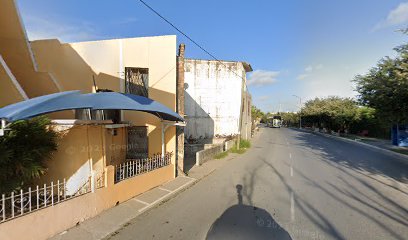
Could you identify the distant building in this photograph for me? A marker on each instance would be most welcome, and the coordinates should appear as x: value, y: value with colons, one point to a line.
x: 217, y: 102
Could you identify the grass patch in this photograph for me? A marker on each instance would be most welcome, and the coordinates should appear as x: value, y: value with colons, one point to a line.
x: 236, y: 150
x: 244, y: 144
x: 402, y: 151
x: 221, y: 155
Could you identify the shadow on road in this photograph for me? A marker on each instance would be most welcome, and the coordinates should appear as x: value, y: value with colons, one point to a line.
x: 354, y: 157
x: 246, y: 222
x: 356, y: 188
x: 312, y: 213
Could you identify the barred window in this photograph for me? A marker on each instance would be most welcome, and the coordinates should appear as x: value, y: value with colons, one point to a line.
x: 137, y: 81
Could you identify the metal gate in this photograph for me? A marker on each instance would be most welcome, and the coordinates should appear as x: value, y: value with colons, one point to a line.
x: 137, y: 143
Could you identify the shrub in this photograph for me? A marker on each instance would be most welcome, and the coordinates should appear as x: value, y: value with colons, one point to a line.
x: 24, y: 151
x: 244, y: 144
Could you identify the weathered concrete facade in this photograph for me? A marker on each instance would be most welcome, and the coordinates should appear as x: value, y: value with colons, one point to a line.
x: 216, y: 99
x: 180, y: 109
x: 246, y: 119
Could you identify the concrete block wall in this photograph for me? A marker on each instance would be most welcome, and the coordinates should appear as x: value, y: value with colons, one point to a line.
x: 207, y: 154
x: 229, y: 144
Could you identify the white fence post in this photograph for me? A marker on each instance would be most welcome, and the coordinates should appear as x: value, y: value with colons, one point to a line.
x: 38, y: 197
x: 52, y: 193
x: 12, y: 204
x: 21, y: 202
x: 45, y: 195
x: 65, y: 189
x: 29, y: 198
x: 58, y: 190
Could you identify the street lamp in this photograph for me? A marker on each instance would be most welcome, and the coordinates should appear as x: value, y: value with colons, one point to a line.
x: 300, y: 112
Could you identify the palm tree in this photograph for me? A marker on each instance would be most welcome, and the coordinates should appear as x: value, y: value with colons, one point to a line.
x: 24, y: 151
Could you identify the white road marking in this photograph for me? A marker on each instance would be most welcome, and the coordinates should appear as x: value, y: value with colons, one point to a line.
x: 291, y: 171
x: 292, y: 207
x: 290, y: 155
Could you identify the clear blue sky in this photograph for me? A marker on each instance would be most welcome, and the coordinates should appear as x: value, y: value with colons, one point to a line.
x: 308, y: 48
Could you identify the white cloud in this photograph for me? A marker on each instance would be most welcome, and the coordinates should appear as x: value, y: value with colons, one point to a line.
x: 302, y: 76
x: 41, y: 28
x: 397, y: 16
x: 309, y: 70
x: 262, y: 78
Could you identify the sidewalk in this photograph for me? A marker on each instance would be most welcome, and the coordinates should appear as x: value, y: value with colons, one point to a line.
x: 111, y: 220
x: 376, y: 144
x: 114, y: 218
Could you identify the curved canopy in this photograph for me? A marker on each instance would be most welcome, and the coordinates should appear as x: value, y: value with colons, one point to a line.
x: 94, y: 101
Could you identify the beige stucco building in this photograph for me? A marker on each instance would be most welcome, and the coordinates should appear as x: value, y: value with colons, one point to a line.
x: 30, y: 69
x: 144, y: 66
x: 74, y: 66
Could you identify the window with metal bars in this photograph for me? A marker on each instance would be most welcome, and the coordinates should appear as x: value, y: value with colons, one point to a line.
x: 137, y: 81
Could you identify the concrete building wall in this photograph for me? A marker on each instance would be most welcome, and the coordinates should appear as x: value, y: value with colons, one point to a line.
x: 16, y: 51
x: 74, y: 64
x: 213, y: 98
x: 11, y: 91
x: 81, y: 149
x: 48, y: 66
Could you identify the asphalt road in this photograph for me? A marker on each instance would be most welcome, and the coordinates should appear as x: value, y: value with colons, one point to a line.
x: 289, y: 185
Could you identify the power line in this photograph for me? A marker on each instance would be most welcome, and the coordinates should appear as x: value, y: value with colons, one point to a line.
x: 189, y: 38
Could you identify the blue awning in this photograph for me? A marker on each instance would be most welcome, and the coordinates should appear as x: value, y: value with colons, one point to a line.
x: 95, y: 101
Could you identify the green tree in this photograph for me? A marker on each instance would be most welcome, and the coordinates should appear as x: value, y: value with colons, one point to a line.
x: 24, y: 151
x: 256, y: 113
x: 333, y: 113
x: 290, y: 119
x: 368, y: 122
x: 385, y: 87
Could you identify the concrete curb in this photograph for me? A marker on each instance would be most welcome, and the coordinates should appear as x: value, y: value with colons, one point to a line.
x: 401, y: 157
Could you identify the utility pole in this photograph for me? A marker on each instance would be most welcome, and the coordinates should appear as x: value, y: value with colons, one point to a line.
x: 243, y: 100
x: 300, y: 111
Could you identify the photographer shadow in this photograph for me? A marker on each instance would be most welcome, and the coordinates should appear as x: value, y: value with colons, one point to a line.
x: 246, y: 222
